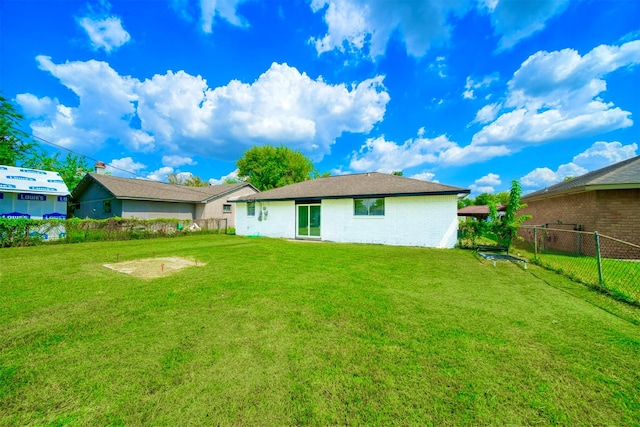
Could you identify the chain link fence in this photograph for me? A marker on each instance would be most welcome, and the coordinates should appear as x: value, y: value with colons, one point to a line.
x: 600, y: 261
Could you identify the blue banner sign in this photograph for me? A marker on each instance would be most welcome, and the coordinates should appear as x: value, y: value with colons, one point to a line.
x: 32, y: 197
x: 54, y: 215
x: 33, y: 187
x: 62, y: 198
x: 37, y: 172
x: 1, y: 196
x: 15, y: 215
x: 20, y: 177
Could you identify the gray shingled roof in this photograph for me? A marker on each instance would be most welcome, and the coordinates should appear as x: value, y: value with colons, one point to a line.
x: 624, y: 174
x: 479, y: 210
x: 140, y: 189
x: 371, y: 184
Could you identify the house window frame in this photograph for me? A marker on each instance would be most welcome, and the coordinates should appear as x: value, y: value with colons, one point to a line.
x: 251, y: 208
x: 358, y: 212
x: 107, y: 206
x: 226, y: 208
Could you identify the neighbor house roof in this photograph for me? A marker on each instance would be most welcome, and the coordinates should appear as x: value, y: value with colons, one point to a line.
x: 20, y: 180
x: 140, y: 189
x: 478, y: 210
x: 371, y: 184
x: 621, y: 175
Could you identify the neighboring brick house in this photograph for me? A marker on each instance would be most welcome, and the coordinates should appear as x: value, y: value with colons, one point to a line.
x: 360, y: 208
x: 100, y: 196
x: 606, y: 200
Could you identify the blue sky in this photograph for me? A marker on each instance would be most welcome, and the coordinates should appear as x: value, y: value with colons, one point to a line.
x: 467, y: 93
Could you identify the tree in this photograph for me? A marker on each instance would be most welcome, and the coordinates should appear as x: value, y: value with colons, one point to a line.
x: 484, y: 199
x: 72, y: 168
x: 463, y: 203
x: 397, y: 173
x: 506, y: 227
x: 502, y: 198
x: 18, y: 149
x: 268, y: 167
x: 189, y: 181
x: 15, y: 144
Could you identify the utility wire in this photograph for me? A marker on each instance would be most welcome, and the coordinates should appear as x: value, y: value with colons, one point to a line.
x: 80, y: 154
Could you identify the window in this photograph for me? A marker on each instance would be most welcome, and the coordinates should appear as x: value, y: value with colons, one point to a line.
x: 226, y: 208
x: 368, y: 207
x: 251, y: 208
x: 106, y: 206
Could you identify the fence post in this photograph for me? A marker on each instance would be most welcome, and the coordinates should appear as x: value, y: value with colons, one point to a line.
x: 535, y: 241
x: 597, y: 239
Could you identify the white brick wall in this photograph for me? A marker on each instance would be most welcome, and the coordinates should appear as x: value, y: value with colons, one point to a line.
x: 280, y: 220
x: 429, y: 221
x: 408, y: 221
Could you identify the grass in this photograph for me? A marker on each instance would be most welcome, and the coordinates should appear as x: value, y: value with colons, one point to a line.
x: 272, y: 332
x: 621, y: 277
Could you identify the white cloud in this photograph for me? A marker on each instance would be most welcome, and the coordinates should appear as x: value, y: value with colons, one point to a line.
x: 37, y: 107
x: 360, y: 25
x: 177, y: 161
x: 282, y: 106
x: 104, y: 111
x: 120, y: 167
x: 440, y: 66
x: 515, y: 20
x: 489, y: 179
x: 485, y: 184
x: 378, y: 154
x: 487, y: 113
x: 602, y: 154
x: 224, y: 9
x: 543, y: 177
x: 365, y: 27
x: 105, y: 31
x: 181, y: 115
x: 231, y: 175
x: 160, y: 174
x: 471, y: 85
x: 557, y: 96
x: 479, y: 189
x: 599, y: 155
x: 425, y: 176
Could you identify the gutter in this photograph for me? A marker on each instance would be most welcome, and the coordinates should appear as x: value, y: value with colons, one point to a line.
x: 350, y: 196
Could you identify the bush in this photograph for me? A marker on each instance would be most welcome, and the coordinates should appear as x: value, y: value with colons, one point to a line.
x: 26, y: 232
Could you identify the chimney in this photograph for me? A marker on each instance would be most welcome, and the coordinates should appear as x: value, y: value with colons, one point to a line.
x: 100, y: 168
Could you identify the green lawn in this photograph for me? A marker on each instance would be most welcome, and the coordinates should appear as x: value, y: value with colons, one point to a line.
x: 621, y: 277
x: 272, y: 332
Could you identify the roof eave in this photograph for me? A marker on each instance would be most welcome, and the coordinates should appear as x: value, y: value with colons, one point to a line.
x: 580, y: 189
x: 151, y: 199
x: 350, y: 196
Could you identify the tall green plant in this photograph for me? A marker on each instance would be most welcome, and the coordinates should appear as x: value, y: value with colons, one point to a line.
x: 15, y: 144
x: 506, y: 227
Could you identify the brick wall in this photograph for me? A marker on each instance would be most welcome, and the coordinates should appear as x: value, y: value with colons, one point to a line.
x: 618, y: 214
x: 614, y: 213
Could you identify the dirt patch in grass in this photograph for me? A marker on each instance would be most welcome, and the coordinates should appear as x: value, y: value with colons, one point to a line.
x: 149, y: 268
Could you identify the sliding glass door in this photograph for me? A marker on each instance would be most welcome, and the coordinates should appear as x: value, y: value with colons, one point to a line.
x: 308, y: 221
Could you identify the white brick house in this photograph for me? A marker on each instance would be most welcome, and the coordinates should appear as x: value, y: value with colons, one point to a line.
x: 360, y: 208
